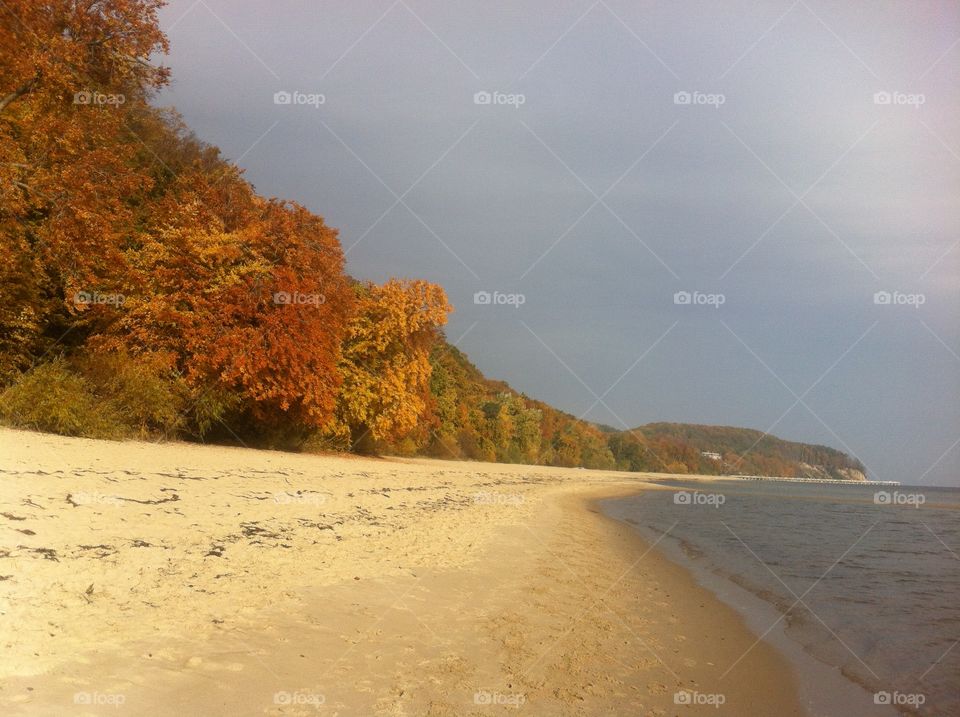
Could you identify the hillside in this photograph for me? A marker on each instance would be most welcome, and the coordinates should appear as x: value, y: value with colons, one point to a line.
x: 719, y: 450
x: 473, y: 417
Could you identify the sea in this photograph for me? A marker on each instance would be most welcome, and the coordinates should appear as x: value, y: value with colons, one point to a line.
x: 859, y: 585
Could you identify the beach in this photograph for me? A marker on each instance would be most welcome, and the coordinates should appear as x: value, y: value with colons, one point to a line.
x: 154, y: 579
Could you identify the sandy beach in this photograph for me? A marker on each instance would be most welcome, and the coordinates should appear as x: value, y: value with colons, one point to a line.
x: 172, y: 579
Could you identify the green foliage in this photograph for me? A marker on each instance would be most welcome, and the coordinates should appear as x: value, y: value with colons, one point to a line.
x: 97, y: 396
x: 480, y: 419
x: 209, y: 410
x: 51, y: 397
x: 145, y: 395
x: 485, y: 420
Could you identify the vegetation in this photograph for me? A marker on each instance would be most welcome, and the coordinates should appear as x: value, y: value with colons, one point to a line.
x: 126, y: 241
x: 147, y: 290
x: 719, y: 450
x: 476, y: 418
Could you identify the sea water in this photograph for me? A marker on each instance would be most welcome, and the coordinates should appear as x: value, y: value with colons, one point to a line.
x: 863, y: 578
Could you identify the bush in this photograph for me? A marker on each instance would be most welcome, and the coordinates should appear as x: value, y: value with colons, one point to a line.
x: 53, y: 398
x: 209, y: 410
x: 97, y: 396
x: 148, y: 399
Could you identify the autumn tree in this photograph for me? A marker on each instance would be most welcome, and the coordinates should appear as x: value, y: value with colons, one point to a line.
x: 70, y: 74
x: 386, y: 359
x: 246, y: 297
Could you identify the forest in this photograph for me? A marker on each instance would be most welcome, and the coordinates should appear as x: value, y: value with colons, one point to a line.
x: 148, y: 291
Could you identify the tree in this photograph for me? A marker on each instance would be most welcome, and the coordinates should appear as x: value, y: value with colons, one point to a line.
x: 70, y: 75
x: 386, y: 359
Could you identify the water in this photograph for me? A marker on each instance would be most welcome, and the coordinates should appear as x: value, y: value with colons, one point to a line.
x: 878, y: 584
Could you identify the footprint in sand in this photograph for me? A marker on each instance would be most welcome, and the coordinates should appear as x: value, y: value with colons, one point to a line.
x: 657, y: 688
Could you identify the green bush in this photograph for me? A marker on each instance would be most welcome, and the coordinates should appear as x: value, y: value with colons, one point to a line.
x: 51, y: 397
x: 97, y: 396
x: 148, y: 399
x: 209, y: 411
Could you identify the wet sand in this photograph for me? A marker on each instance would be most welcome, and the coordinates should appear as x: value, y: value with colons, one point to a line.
x: 173, y: 579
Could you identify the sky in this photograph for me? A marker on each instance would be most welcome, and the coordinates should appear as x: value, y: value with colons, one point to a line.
x: 737, y: 213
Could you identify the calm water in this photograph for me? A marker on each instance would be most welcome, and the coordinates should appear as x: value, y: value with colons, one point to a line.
x: 879, y: 583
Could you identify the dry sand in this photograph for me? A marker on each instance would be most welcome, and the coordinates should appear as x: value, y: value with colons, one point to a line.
x: 174, y: 579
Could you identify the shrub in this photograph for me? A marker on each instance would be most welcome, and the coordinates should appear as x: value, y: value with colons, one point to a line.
x: 51, y: 397
x: 148, y: 398
x: 209, y: 410
x: 677, y: 467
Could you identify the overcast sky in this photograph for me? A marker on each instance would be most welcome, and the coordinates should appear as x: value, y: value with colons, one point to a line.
x: 781, y: 190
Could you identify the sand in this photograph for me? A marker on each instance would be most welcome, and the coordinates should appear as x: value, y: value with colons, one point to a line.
x: 177, y: 579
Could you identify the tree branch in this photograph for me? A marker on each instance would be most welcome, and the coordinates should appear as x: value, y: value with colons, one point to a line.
x: 23, y: 89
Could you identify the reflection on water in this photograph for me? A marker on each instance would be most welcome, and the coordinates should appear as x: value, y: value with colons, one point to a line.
x: 868, y: 578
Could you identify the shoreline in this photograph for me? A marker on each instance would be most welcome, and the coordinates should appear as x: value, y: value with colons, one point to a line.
x: 284, y: 584
x: 824, y: 689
